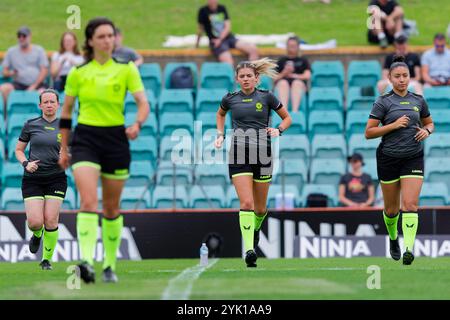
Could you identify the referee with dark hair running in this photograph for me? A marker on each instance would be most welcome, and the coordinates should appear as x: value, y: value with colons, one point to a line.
x: 44, y: 183
x: 100, y: 146
x: 405, y: 122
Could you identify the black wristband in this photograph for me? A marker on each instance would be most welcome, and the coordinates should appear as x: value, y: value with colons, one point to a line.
x: 65, y: 123
x: 280, y: 130
x: 25, y: 163
x: 429, y: 132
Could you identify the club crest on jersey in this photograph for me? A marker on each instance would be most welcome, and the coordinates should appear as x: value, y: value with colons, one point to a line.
x: 259, y: 106
x: 416, y: 108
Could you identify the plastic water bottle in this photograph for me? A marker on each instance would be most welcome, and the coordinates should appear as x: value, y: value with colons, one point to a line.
x: 203, y: 255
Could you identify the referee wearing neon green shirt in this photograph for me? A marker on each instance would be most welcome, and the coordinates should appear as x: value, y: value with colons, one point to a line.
x: 99, y: 146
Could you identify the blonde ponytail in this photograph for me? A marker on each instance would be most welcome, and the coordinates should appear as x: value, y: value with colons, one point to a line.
x: 264, y: 66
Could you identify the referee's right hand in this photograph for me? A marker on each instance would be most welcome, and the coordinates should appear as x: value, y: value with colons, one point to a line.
x: 64, y: 159
x: 32, y: 166
x: 401, y: 122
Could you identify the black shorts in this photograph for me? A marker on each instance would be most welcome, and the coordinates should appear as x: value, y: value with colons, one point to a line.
x: 373, y: 38
x: 20, y: 86
x: 259, y: 166
x: 392, y: 169
x: 104, y: 148
x: 42, y: 188
x: 228, y: 43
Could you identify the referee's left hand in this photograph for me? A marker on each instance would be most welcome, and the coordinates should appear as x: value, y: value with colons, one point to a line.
x: 132, y: 131
x: 421, y: 134
x: 273, y: 132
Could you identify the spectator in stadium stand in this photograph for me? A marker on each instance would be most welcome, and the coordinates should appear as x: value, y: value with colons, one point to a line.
x: 27, y: 65
x: 403, y: 120
x: 294, y: 72
x: 413, y: 62
x: 125, y: 54
x: 436, y: 63
x: 65, y: 59
x: 387, y: 23
x: 356, y: 188
x: 250, y: 162
x: 215, y: 21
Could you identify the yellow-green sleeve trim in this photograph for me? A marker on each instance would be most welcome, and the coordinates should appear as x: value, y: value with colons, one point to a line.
x: 86, y: 164
x: 54, y: 197
x: 411, y: 176
x: 390, y: 182
x: 242, y: 174
x: 263, y: 181
x: 115, y: 176
x: 33, y: 198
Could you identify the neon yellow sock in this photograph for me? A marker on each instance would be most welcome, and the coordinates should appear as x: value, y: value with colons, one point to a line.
x: 87, y: 232
x: 247, y: 223
x: 111, y: 235
x: 410, y: 221
x: 50, y: 241
x: 259, y: 220
x: 37, y: 233
x: 391, y: 225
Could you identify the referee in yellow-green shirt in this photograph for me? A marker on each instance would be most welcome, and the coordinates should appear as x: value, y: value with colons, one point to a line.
x: 99, y: 146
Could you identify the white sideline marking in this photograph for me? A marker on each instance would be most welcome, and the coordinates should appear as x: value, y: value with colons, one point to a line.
x: 180, y: 287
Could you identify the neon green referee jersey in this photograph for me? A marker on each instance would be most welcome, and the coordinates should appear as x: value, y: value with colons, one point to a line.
x: 101, y: 91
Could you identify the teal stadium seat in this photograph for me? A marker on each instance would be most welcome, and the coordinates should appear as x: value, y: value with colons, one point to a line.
x: 149, y: 127
x: 15, y: 123
x: 356, y: 122
x: 207, y: 197
x: 12, y: 175
x: 366, y: 147
x: 370, y: 168
x: 12, y: 199
x: 433, y: 194
x: 329, y: 190
x: 176, y: 150
x: 181, y: 123
x: 151, y: 77
x: 298, y: 125
x: 22, y: 101
x: 277, y: 190
x: 327, y: 74
x: 171, y: 66
x: 162, y: 197
x: 208, y: 121
x: 330, y: 146
x: 438, y: 145
x: 232, y: 200
x: 141, y: 173
x: 437, y: 170
x: 295, y: 172
x: 130, y: 103
x: 144, y: 148
x: 165, y: 174
x: 214, y: 75
x: 135, y: 198
x: 356, y: 101
x: 437, y: 97
x: 70, y: 200
x: 175, y: 100
x: 295, y: 147
x: 326, y: 99
x: 212, y: 175
x: 327, y: 171
x: 364, y: 73
x: 441, y: 119
x: 325, y: 122
x: 208, y: 100
x: 3, y: 79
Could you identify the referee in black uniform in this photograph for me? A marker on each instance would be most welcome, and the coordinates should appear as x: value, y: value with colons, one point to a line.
x: 405, y: 122
x: 44, y: 183
x: 250, y: 166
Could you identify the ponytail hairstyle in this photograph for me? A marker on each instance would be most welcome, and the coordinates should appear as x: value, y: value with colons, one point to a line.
x: 398, y: 61
x: 92, y: 25
x: 264, y: 66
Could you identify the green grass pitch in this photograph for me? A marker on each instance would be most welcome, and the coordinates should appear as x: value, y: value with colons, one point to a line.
x: 331, y: 278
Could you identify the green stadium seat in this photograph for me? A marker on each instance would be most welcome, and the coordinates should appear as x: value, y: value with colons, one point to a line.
x: 295, y: 147
x: 437, y: 97
x: 175, y: 101
x: 364, y: 73
x: 327, y: 171
x: 212, y: 175
x: 327, y: 189
x: 22, y: 101
x: 326, y: 99
x: 176, y: 150
x: 327, y: 74
x: 441, y: 119
x: 12, y: 199
x: 171, y: 66
x: 130, y: 103
x: 207, y: 197
x: 232, y: 200
x: 151, y: 77
x: 356, y: 101
x: 135, y: 198
x: 356, y: 122
x: 330, y: 146
x: 298, y: 125
x: 176, y: 123
x: 144, y: 148
x: 277, y: 190
x: 163, y: 197
x: 294, y: 172
x: 214, y: 75
x: 165, y: 174
x: 12, y: 175
x: 141, y: 173
x: 366, y: 147
x: 149, y: 127
x: 438, y: 145
x: 208, y: 100
x: 437, y: 170
x: 433, y: 194
x: 325, y: 122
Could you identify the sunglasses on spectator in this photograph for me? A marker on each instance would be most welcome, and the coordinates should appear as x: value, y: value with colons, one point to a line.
x: 439, y: 45
x: 21, y: 35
